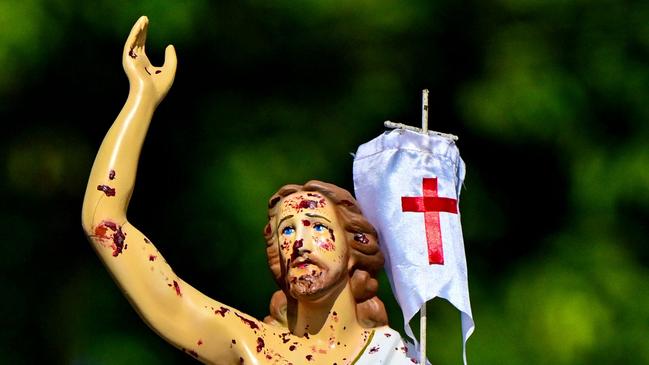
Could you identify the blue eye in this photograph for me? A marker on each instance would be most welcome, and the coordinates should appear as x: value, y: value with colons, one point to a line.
x: 287, y: 231
x: 318, y: 227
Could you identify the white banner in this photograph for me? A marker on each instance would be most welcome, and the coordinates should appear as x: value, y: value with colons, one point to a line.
x: 408, y: 186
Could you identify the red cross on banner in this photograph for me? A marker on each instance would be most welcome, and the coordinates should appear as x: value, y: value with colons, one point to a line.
x: 431, y: 204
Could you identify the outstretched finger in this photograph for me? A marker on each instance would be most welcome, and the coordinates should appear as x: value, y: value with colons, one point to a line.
x: 137, y: 38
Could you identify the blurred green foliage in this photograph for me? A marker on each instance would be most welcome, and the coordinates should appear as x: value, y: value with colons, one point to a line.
x: 549, y: 98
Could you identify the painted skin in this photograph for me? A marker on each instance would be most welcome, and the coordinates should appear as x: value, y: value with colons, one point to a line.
x: 324, y: 330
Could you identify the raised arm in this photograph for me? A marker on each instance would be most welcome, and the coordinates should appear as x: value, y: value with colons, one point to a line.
x: 113, y: 173
x: 202, y: 327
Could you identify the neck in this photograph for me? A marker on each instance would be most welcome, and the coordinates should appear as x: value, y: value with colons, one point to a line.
x: 332, y: 316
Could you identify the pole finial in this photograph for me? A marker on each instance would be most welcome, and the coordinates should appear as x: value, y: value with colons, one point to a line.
x: 424, y: 121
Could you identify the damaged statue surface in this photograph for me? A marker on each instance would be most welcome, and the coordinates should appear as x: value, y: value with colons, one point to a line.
x: 323, y: 253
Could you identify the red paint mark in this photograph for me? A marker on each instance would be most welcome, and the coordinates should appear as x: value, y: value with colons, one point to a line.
x: 241, y: 360
x: 296, y: 245
x: 286, y: 244
x: 388, y: 334
x: 260, y: 344
x: 192, y: 352
x: 177, y: 288
x: 414, y: 361
x: 306, y: 222
x: 374, y: 350
x: 106, y: 189
x: 362, y: 238
x: 268, y: 229
x: 100, y: 231
x: 431, y: 205
x: 132, y: 54
x: 327, y: 245
x: 200, y: 342
x: 110, y: 225
x: 322, y: 351
x: 118, y: 237
x: 157, y: 72
x: 314, y: 195
x: 222, y: 312
x: 234, y: 342
x: 308, y: 204
x: 291, y: 348
x: 111, y: 175
x: 146, y: 240
x: 250, y: 323
x: 152, y: 257
x: 284, y: 339
x: 118, y: 241
x: 268, y: 356
x: 309, y: 357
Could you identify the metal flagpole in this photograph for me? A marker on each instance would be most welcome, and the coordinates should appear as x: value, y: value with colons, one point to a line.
x: 422, y: 312
x: 424, y: 122
x: 424, y: 111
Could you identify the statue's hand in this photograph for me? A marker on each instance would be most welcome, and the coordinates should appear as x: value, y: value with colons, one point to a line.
x: 143, y: 76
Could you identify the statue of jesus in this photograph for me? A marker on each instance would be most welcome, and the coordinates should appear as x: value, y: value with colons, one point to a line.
x: 323, y: 253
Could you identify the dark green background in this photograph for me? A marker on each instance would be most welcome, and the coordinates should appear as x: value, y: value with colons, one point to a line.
x: 549, y: 99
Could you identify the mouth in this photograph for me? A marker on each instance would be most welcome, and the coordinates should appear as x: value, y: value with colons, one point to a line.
x: 302, y: 263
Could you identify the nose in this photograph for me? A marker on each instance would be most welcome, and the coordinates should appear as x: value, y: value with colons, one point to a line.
x: 303, y: 243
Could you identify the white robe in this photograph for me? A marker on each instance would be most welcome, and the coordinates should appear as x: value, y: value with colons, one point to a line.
x: 386, y: 347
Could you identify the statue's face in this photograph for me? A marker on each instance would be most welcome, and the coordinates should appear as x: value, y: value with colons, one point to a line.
x: 312, y: 244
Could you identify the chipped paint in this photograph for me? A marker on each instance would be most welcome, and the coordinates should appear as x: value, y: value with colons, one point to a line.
x: 260, y: 344
x: 247, y: 321
x: 118, y: 237
x: 362, y: 238
x: 222, y: 311
x: 106, y: 189
x: 177, y: 288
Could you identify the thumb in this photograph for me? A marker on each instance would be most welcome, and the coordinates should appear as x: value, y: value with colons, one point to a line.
x: 170, y: 60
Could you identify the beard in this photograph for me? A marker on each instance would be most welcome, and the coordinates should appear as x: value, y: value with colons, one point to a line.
x: 313, y: 283
x: 308, y: 284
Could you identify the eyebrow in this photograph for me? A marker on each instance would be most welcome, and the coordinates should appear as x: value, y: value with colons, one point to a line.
x: 283, y: 219
x: 311, y: 215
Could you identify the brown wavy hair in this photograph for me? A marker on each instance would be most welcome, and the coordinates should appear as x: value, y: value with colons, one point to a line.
x: 365, y: 256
